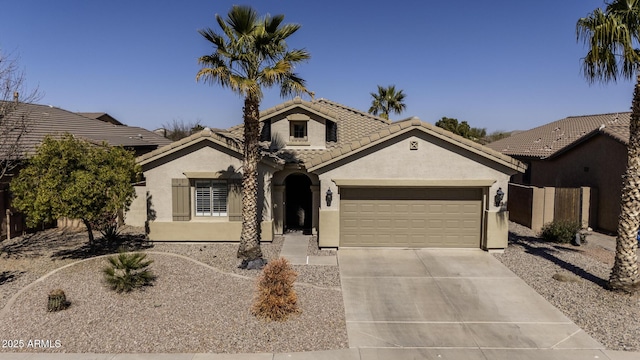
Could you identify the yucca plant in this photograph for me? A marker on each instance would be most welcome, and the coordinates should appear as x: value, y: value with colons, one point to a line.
x: 128, y: 271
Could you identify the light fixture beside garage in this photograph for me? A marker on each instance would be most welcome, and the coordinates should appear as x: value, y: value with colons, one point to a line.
x: 499, y: 197
x: 329, y: 197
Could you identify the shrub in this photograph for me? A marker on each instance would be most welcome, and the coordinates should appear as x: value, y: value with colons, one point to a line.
x: 560, y: 231
x: 107, y: 224
x: 57, y: 300
x: 128, y: 271
x: 276, y: 298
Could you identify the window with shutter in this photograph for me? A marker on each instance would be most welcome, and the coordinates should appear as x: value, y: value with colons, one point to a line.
x: 211, y: 198
x: 331, y: 131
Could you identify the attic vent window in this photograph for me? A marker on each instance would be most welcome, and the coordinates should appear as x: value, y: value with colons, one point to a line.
x: 298, y: 130
x: 331, y: 131
x: 265, y: 133
x: 413, y: 145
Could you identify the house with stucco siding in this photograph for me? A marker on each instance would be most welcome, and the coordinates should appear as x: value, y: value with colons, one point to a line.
x: 351, y: 178
x: 577, y: 151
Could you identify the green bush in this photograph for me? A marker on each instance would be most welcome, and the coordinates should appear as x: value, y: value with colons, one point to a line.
x: 128, y: 271
x: 560, y: 231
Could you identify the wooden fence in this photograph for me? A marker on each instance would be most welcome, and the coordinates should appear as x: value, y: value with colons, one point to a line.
x: 534, y: 206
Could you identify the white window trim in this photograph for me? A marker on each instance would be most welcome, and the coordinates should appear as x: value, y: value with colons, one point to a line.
x: 223, y: 186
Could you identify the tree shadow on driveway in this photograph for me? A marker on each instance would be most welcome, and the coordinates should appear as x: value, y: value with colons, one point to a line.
x: 549, y: 251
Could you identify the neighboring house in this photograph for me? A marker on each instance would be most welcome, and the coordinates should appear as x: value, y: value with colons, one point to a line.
x: 351, y: 178
x: 43, y: 120
x: 576, y: 151
x: 101, y: 116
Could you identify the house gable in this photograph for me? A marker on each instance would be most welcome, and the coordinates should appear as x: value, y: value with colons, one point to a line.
x: 299, y: 128
x: 431, y: 135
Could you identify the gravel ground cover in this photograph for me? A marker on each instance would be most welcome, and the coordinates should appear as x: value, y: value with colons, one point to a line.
x: 611, y: 318
x: 192, y: 307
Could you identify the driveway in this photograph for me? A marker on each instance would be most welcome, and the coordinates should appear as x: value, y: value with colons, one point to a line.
x: 453, y: 302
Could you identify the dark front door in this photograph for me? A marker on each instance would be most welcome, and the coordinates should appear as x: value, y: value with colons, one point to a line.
x: 298, y: 202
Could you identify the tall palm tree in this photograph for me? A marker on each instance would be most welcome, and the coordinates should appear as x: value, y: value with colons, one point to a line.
x: 611, y: 36
x: 387, y: 100
x: 249, y: 55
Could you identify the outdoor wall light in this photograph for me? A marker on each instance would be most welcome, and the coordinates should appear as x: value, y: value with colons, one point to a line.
x: 329, y: 197
x: 499, y: 197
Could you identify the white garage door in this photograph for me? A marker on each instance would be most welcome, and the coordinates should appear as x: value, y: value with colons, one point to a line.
x: 410, y: 217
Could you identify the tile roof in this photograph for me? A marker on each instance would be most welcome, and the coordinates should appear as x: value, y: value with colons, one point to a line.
x: 356, y: 129
x: 221, y: 137
x: 101, y: 116
x: 227, y: 141
x: 548, y: 140
x: 352, y: 125
x: 45, y: 120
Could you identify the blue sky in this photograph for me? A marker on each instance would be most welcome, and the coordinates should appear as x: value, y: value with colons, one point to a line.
x: 498, y: 64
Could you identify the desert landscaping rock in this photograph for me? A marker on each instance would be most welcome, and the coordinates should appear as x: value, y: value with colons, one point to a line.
x: 190, y: 308
x: 611, y: 318
x: 205, y: 308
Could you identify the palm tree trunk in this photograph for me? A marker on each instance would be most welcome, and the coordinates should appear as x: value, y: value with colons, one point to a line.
x: 249, y: 248
x: 624, y: 274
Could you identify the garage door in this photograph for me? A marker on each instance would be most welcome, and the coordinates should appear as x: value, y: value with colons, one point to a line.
x: 409, y: 217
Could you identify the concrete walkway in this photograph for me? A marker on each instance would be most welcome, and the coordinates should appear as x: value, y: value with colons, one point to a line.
x: 295, y: 247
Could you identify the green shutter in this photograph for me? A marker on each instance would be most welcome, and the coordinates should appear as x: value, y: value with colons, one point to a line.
x: 181, y: 199
x: 234, y: 202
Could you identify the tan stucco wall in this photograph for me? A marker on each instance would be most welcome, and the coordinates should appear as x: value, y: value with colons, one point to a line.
x: 434, y: 160
x: 605, y: 159
x: 497, y: 230
x: 315, y: 128
x: 203, y: 157
x: 137, y: 214
x: 200, y: 158
x: 329, y: 231
x: 203, y: 231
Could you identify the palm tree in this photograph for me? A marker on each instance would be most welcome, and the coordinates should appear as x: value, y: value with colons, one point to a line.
x: 249, y: 55
x: 611, y: 37
x: 386, y: 101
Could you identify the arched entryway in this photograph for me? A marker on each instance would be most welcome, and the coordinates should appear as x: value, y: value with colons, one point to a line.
x: 298, y: 203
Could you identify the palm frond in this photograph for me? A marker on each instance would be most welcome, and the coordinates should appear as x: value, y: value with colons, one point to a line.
x: 610, y: 36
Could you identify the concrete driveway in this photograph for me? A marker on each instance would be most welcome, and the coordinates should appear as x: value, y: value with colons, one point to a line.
x: 459, y: 303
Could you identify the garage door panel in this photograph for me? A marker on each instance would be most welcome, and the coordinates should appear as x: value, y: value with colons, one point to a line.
x: 410, y: 217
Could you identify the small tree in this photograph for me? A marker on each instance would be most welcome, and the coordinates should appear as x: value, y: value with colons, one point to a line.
x: 14, y: 118
x: 463, y: 129
x: 75, y: 179
x: 179, y: 129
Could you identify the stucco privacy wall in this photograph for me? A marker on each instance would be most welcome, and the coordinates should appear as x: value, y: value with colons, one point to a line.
x: 137, y: 214
x: 201, y: 157
x: 434, y: 159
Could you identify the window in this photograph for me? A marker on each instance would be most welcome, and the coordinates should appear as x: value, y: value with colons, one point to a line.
x: 298, y: 130
x: 211, y: 198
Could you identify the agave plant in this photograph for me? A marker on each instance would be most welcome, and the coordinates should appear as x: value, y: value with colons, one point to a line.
x: 128, y: 271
